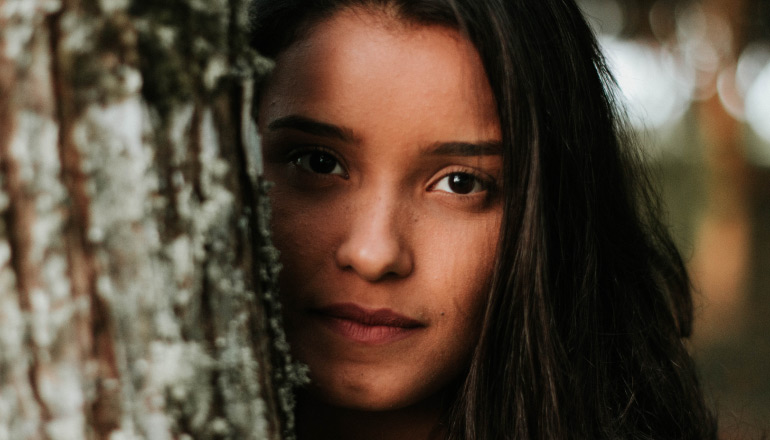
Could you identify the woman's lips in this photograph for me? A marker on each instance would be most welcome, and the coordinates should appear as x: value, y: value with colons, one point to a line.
x: 367, y: 326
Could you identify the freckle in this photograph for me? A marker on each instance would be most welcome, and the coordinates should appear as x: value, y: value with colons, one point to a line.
x: 442, y: 313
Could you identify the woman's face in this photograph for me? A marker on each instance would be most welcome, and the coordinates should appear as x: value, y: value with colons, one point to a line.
x: 384, y: 145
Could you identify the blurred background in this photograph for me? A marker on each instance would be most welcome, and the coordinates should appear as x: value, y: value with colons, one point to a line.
x: 695, y: 77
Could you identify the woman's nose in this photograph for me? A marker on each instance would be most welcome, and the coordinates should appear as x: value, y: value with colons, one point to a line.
x: 375, y: 245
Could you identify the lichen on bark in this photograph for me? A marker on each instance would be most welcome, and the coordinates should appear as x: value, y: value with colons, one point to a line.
x: 137, y: 278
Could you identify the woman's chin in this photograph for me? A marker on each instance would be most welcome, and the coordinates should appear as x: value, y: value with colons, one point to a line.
x: 360, y: 397
x: 372, y: 413
x: 376, y: 394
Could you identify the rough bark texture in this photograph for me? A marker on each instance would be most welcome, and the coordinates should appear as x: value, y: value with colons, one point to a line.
x: 136, y: 272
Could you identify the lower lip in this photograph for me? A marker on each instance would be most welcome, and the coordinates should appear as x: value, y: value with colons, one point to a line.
x: 367, y: 334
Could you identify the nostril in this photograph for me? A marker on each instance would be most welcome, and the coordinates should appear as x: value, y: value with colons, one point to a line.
x: 375, y: 258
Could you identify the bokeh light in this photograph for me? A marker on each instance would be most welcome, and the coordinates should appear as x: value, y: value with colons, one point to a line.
x: 694, y: 78
x: 656, y: 86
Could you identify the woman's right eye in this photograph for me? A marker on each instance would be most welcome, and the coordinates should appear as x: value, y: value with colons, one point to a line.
x: 318, y: 162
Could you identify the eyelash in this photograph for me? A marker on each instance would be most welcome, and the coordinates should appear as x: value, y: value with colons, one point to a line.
x: 487, y: 184
x: 295, y: 155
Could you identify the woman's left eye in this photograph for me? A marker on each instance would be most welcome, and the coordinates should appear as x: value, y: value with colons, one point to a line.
x: 460, y: 183
x: 319, y: 162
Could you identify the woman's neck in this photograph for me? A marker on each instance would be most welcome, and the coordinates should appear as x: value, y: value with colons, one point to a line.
x: 320, y: 421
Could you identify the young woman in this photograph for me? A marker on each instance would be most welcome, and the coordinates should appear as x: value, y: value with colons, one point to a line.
x: 470, y: 249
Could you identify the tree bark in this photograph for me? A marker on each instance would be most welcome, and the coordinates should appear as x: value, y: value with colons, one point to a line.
x: 137, y: 278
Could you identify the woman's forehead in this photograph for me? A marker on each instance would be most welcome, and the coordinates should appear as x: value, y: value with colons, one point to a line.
x: 360, y: 61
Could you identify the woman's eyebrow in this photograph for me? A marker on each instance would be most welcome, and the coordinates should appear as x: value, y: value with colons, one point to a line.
x: 313, y: 127
x: 484, y: 148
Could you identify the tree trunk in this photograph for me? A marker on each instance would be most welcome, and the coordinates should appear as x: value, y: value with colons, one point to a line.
x: 137, y: 278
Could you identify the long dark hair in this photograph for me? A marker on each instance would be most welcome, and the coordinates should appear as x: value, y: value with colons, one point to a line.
x: 590, y: 301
